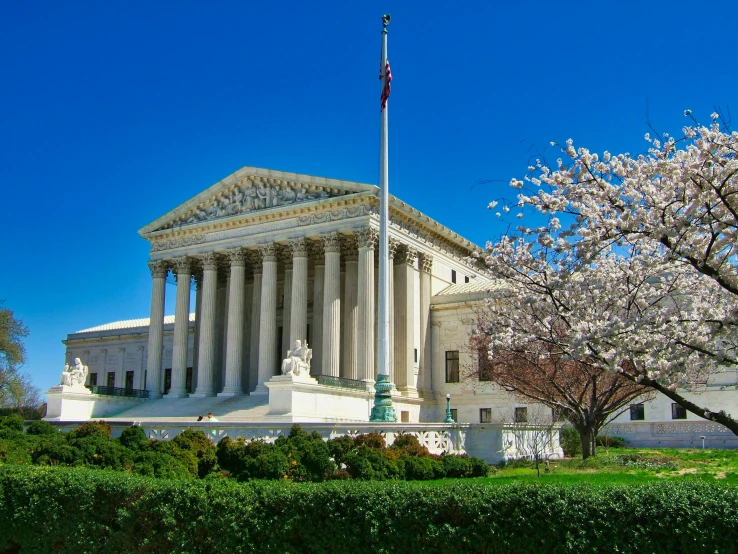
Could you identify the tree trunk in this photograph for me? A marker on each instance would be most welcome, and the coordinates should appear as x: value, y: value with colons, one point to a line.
x: 589, y: 446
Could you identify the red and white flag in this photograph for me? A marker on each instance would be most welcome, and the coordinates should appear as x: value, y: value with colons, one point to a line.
x: 386, y: 87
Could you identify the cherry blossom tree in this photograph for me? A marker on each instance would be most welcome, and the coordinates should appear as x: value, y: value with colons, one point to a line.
x: 537, y: 369
x: 635, y: 265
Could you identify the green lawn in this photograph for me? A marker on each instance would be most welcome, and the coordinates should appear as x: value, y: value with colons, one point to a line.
x: 621, y: 465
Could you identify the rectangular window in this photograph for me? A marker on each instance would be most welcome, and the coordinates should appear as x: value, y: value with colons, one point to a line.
x: 453, y: 275
x: 637, y: 412
x: 415, y: 351
x: 93, y: 379
x: 484, y: 370
x: 485, y: 415
x: 678, y: 412
x: 466, y: 278
x: 452, y: 366
x: 167, y: 379
x: 557, y: 414
x: 454, y: 415
x: 129, y: 379
x: 521, y: 415
x: 111, y: 378
x: 188, y: 380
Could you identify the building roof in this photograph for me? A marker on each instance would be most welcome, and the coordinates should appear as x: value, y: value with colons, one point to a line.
x: 475, y: 285
x: 129, y: 324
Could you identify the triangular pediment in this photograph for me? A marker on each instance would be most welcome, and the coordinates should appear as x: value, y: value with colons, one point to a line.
x: 252, y: 189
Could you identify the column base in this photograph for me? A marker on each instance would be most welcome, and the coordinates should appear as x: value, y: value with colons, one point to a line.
x: 230, y: 393
x: 260, y: 390
x: 202, y: 394
x: 409, y: 392
x: 155, y: 395
x: 182, y: 393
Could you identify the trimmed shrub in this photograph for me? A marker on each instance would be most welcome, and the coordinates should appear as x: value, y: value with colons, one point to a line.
x: 41, y: 428
x: 408, y: 445
x: 10, y: 424
x: 91, y: 428
x: 571, y: 442
x: 133, y: 438
x: 202, y: 446
x: 114, y: 512
x: 339, y: 447
x: 610, y: 441
x: 372, y: 440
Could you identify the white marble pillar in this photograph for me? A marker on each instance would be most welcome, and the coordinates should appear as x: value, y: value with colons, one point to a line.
x: 286, y: 256
x: 425, y: 381
x: 156, y: 328
x: 332, y: 305
x: 437, y: 358
x: 318, y: 256
x: 255, y: 319
x: 141, y: 373
x: 298, y: 311
x: 366, y: 238
x: 197, y: 276
x: 268, y: 318
x: 234, y: 344
x: 183, y: 272
x: 206, y: 348
x: 350, y: 318
x: 404, y: 314
x: 248, y: 294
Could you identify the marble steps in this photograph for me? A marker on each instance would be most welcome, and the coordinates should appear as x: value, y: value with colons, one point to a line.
x: 241, y: 408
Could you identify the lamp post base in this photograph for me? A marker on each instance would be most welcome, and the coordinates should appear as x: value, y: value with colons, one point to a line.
x: 383, y: 410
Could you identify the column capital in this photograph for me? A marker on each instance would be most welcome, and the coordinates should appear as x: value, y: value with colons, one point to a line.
x: 299, y: 247
x: 158, y: 268
x: 284, y: 254
x: 209, y: 261
x: 407, y: 256
x: 331, y: 242
x: 366, y: 237
x: 393, y: 245
x: 182, y: 265
x: 350, y: 249
x: 435, y: 324
x: 237, y: 257
x: 268, y: 252
x: 426, y: 263
x: 316, y: 252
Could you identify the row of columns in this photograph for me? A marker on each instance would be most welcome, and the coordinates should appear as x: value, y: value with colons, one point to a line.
x: 356, y: 317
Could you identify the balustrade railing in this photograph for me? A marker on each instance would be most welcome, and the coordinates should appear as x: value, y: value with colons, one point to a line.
x: 118, y: 391
x: 330, y: 381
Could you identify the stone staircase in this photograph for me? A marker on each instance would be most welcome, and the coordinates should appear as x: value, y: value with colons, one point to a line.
x: 230, y: 409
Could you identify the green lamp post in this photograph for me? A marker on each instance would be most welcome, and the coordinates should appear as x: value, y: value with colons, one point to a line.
x: 448, y: 419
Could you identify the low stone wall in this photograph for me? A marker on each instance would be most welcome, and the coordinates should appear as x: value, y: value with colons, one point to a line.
x: 491, y: 442
x: 675, y: 434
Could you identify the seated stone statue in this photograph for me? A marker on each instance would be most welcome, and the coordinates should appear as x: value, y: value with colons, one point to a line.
x: 297, y: 361
x: 74, y: 376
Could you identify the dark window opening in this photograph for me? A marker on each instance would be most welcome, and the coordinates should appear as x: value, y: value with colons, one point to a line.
x: 485, y: 415
x: 129, y: 379
x: 521, y: 415
x: 111, y: 378
x: 453, y: 275
x: 452, y: 366
x: 637, y: 412
x: 678, y: 412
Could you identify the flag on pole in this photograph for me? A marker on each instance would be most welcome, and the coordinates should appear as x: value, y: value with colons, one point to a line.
x: 386, y: 88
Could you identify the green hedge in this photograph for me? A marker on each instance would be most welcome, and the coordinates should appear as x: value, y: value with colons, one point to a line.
x: 82, y: 510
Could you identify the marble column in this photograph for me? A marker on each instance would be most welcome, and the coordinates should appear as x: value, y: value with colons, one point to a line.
x: 141, y: 377
x: 267, y: 318
x: 234, y: 342
x: 159, y: 272
x: 298, y: 311
x: 404, y: 328
x: 332, y: 305
x: 318, y: 256
x: 255, y: 319
x: 248, y: 292
x: 206, y: 348
x: 350, y: 318
x: 437, y: 361
x: 197, y: 276
x: 425, y: 375
x: 366, y: 238
x: 183, y: 271
x: 286, y: 256
x: 120, y: 378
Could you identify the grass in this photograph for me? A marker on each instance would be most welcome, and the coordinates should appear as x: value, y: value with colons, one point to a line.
x: 620, y: 466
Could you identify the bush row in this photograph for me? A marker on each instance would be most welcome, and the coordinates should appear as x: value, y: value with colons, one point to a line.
x: 77, y: 510
x: 191, y: 454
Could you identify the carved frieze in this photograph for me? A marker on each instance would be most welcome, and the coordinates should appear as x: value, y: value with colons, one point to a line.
x: 334, y: 215
x: 253, y: 194
x: 178, y: 242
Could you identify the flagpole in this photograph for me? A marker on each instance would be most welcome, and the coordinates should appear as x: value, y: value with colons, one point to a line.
x: 383, y: 409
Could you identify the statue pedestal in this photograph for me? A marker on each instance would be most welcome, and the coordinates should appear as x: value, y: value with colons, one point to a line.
x: 77, y: 403
x: 300, y: 398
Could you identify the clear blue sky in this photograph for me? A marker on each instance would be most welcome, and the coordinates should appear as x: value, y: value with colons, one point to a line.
x: 114, y: 113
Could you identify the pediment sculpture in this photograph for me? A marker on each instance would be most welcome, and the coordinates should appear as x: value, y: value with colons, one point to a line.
x: 297, y: 362
x: 74, y: 376
x: 251, y: 195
